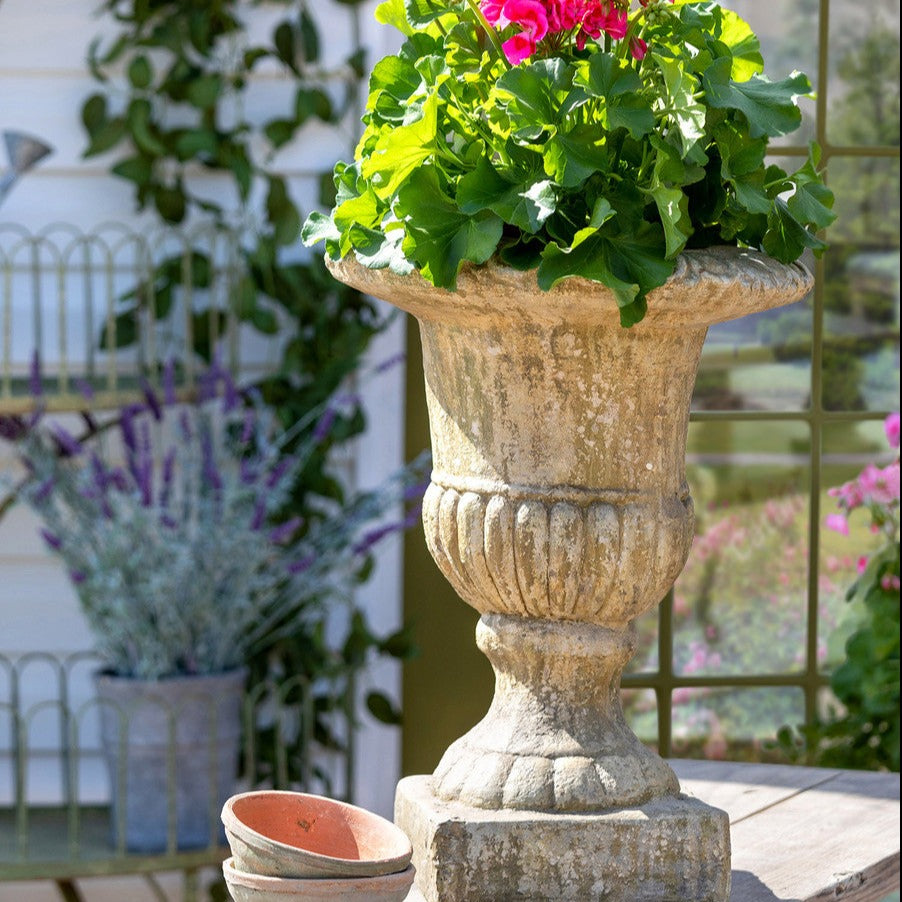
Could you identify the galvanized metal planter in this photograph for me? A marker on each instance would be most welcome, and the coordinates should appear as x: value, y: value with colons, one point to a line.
x: 171, y: 747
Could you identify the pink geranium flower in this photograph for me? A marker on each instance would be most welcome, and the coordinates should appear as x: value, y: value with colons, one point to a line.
x: 532, y: 17
x: 838, y: 523
x: 892, y: 430
x: 880, y: 486
x: 638, y: 48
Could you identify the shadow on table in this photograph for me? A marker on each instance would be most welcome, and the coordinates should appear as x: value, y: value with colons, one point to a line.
x: 748, y: 888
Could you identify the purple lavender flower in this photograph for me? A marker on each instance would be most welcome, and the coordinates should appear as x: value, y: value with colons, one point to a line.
x: 299, y: 566
x: 284, y: 531
x: 99, y: 472
x: 44, y: 491
x: 167, y: 478
x: 374, y: 536
x: 12, y: 427
x: 209, y: 470
x: 85, y: 389
x: 277, y: 474
x: 119, y: 480
x: 231, y: 398
x: 53, y: 541
x: 153, y: 402
x: 247, y: 471
x: 169, y: 396
x: 127, y: 428
x: 247, y: 427
x: 324, y: 424
x: 390, y: 362
x: 77, y: 577
x: 185, y: 425
x: 259, y: 515
x: 67, y: 444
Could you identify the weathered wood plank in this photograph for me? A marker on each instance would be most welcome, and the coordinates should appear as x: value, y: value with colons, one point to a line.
x: 744, y: 789
x: 840, y: 833
x: 872, y: 886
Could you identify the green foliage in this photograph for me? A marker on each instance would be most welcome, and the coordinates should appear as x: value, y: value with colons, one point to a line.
x: 864, y: 730
x: 172, y: 101
x: 574, y: 162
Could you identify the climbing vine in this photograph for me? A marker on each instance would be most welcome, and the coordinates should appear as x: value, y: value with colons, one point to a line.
x: 173, y: 104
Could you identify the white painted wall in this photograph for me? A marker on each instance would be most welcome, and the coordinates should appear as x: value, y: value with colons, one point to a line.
x: 43, y: 82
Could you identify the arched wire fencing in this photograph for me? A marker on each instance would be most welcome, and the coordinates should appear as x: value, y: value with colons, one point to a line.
x: 71, y: 755
x: 102, y: 309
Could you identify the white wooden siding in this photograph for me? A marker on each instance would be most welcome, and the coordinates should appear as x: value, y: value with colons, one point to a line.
x: 43, y: 83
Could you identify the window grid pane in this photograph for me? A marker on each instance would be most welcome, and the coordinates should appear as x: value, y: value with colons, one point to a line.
x: 852, y: 325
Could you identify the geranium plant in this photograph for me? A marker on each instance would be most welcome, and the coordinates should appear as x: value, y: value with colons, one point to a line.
x: 594, y: 138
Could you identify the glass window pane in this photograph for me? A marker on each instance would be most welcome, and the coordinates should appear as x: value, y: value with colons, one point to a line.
x: 861, y: 289
x: 863, y: 91
x: 646, y: 658
x: 847, y: 449
x: 739, y: 606
x: 758, y: 362
x: 641, y: 709
x: 733, y: 724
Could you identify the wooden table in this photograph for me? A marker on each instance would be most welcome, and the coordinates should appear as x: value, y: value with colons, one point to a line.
x: 801, y: 834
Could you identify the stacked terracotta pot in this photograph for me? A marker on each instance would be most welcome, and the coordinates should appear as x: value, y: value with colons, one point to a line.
x: 289, y: 845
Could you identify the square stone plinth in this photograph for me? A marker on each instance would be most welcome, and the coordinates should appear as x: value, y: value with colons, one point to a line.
x: 669, y: 850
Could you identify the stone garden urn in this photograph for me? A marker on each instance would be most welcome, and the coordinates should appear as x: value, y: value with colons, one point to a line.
x: 559, y: 509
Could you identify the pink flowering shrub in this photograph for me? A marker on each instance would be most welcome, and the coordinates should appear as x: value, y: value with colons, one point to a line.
x: 864, y: 730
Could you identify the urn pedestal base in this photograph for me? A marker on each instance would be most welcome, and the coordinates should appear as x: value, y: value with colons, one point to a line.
x: 673, y: 849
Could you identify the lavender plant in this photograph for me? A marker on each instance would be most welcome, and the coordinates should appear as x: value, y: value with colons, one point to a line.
x: 175, y: 550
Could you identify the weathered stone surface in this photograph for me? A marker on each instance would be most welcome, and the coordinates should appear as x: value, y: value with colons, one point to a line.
x: 554, y: 737
x: 559, y: 509
x: 673, y: 849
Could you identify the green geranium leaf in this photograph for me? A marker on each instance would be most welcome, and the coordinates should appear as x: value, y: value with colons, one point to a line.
x: 365, y: 209
x: 670, y: 166
x: 630, y: 265
x: 375, y: 249
x: 401, y: 151
x: 571, y: 158
x: 319, y: 227
x: 633, y: 113
x: 812, y: 201
x: 525, y: 206
x: 744, y: 46
x: 673, y: 208
x: 770, y: 107
x: 393, y: 12
x: 393, y: 81
x: 787, y: 238
x: 680, y: 106
x: 534, y: 95
x: 605, y: 75
x: 439, y: 236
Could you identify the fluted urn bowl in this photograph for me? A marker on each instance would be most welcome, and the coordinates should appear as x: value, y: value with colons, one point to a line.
x: 559, y: 507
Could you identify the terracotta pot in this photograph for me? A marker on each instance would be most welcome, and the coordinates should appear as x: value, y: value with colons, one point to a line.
x: 171, y: 747
x: 292, y: 834
x: 246, y: 887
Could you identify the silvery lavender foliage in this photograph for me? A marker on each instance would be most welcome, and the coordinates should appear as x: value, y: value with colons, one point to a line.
x: 171, y: 544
